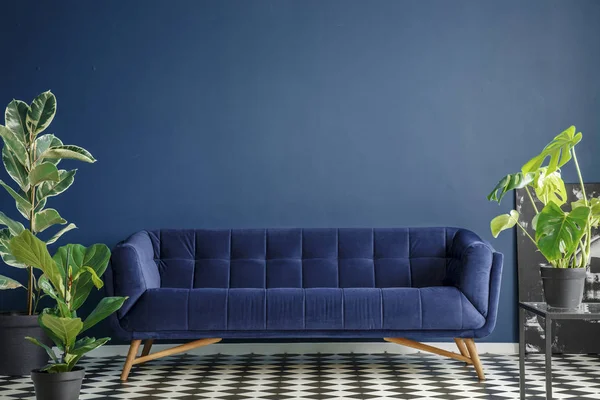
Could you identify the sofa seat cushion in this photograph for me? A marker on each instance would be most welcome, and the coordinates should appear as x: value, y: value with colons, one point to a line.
x: 430, y: 308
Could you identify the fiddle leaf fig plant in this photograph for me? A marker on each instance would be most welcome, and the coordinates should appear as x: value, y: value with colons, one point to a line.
x: 562, y: 236
x: 68, y: 278
x: 31, y: 159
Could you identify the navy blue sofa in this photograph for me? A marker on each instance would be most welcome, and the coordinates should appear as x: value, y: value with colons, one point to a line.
x: 404, y: 284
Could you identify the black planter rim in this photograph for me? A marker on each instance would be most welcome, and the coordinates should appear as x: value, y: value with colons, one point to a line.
x: 76, y: 374
x: 562, y: 273
x: 17, y: 320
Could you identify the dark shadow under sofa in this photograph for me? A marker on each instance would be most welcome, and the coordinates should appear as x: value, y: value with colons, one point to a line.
x: 404, y: 285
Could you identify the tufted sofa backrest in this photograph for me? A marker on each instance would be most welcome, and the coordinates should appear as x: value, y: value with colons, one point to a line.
x: 302, y: 258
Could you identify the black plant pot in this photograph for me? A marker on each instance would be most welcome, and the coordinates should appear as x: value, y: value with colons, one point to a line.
x: 18, y: 355
x: 59, y: 386
x: 563, y: 287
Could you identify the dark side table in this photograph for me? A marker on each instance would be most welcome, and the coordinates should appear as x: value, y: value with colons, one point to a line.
x: 585, y: 311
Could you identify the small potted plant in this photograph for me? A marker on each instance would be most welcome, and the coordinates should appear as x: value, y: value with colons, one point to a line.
x: 31, y: 159
x: 563, y: 233
x: 68, y: 279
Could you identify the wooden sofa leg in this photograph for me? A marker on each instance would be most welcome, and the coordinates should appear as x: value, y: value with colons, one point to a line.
x: 468, y: 351
x: 133, y: 349
x: 135, y: 345
x: 475, y: 357
x: 147, y: 347
x: 462, y: 347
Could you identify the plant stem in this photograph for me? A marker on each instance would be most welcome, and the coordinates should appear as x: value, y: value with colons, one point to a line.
x: 527, y: 233
x: 585, y: 200
x: 585, y: 250
x: 532, y: 201
x: 30, y: 307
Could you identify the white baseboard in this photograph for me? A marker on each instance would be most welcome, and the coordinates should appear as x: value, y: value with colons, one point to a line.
x: 304, y: 348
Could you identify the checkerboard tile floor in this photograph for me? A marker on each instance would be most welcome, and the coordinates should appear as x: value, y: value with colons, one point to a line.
x: 326, y: 376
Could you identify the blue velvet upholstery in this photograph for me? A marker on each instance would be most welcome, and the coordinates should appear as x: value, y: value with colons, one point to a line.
x: 253, y: 283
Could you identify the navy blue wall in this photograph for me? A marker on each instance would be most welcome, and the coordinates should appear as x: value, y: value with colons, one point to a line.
x: 304, y: 113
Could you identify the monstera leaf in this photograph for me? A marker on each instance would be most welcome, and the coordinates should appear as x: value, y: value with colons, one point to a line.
x: 77, y: 256
x: 550, y: 187
x: 510, y: 182
x: 559, y: 151
x: 558, y: 233
x: 594, y: 204
x: 503, y: 222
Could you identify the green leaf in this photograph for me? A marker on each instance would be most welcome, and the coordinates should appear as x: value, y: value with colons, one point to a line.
x: 5, y: 253
x: 46, y: 219
x: 95, y: 279
x: 594, y: 204
x: 41, y: 113
x: 43, y: 172
x: 13, y: 226
x: 50, y: 352
x: 559, y: 151
x: 503, y: 222
x: 43, y: 143
x: 8, y: 283
x: 16, y: 116
x: 534, y: 221
x: 48, y: 289
x: 49, y: 189
x: 95, y: 257
x: 30, y: 250
x: 14, y: 168
x: 14, y: 145
x: 86, y: 345
x: 106, y: 307
x: 550, y: 187
x: 21, y: 201
x: 64, y: 329
x: 57, y: 341
x: 510, y: 182
x: 56, y: 368
x: 69, y: 151
x: 558, y: 233
x: 61, y: 232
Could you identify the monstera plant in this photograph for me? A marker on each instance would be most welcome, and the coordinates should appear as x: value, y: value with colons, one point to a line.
x: 31, y: 159
x: 561, y: 232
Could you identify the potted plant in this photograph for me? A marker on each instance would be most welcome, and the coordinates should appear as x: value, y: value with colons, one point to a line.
x: 68, y: 279
x: 31, y: 160
x: 563, y: 232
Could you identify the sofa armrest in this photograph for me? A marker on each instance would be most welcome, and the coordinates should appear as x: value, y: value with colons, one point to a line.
x: 470, y: 270
x: 134, y: 269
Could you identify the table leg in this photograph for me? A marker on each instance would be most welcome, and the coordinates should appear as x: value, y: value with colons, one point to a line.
x: 522, y: 353
x: 548, y: 358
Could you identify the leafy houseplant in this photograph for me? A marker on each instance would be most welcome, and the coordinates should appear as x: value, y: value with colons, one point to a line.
x: 31, y: 159
x: 562, y: 236
x: 68, y: 278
